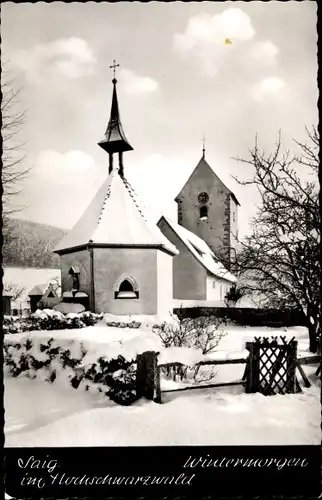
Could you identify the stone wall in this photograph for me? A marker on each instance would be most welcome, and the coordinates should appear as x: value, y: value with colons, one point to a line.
x: 165, y: 283
x: 111, y: 264
x: 189, y: 276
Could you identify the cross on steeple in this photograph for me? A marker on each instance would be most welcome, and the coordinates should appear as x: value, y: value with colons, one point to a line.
x: 203, y: 145
x: 114, y: 66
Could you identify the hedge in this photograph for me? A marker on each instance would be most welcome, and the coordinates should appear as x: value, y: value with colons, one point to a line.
x: 48, y: 319
x: 49, y: 360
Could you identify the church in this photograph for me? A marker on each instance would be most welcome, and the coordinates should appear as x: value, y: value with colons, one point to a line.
x: 115, y: 260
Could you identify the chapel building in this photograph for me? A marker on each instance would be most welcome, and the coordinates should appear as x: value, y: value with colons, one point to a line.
x: 114, y: 256
x: 115, y: 260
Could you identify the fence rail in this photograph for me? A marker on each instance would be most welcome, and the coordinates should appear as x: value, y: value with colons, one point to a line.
x: 270, y: 368
x: 207, y: 362
x: 203, y: 386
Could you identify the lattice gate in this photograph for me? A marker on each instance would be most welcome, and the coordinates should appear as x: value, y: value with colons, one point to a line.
x: 271, y: 366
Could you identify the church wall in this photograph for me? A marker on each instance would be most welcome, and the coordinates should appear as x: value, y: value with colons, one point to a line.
x: 165, y: 283
x: 110, y: 264
x: 217, y: 289
x: 189, y: 276
x: 80, y: 259
x: 216, y: 230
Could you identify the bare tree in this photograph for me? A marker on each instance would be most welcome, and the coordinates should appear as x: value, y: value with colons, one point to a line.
x: 14, y: 169
x: 15, y: 290
x: 280, y: 260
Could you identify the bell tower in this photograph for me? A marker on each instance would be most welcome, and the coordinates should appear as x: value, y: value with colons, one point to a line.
x: 114, y: 140
x: 209, y: 209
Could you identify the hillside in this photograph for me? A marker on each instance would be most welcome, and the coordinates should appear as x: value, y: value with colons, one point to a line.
x: 31, y: 245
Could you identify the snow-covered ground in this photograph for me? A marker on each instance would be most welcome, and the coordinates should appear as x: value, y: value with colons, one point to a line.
x: 43, y: 414
x: 47, y: 416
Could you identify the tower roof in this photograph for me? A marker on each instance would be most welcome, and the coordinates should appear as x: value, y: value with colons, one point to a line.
x: 203, y: 164
x: 114, y: 139
x: 115, y: 218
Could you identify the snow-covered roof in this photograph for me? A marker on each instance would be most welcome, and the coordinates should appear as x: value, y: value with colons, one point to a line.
x: 201, y: 251
x: 115, y: 217
x: 38, y: 289
x: 42, y: 289
x: 69, y: 294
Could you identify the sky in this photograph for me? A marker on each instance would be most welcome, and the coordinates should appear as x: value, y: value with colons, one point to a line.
x: 178, y: 81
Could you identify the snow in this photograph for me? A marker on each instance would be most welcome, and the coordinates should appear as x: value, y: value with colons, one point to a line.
x: 42, y: 414
x: 46, y: 416
x: 99, y: 224
x: 185, y: 355
x: 196, y: 245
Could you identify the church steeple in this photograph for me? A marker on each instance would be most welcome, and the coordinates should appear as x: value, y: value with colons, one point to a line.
x: 114, y: 140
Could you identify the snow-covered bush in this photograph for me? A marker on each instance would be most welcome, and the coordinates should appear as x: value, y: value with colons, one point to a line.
x: 49, y: 319
x: 123, y: 324
x: 203, y: 334
x: 53, y: 360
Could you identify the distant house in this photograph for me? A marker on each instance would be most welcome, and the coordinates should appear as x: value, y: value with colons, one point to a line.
x: 39, y: 292
x: 197, y: 273
x: 6, y: 303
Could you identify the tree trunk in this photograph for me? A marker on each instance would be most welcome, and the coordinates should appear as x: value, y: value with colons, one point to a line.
x: 313, y: 336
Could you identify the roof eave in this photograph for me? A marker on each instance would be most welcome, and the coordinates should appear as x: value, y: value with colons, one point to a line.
x: 234, y: 198
x: 88, y: 245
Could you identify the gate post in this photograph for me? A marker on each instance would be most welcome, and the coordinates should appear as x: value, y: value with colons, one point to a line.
x: 291, y: 367
x: 252, y: 381
x: 148, y: 376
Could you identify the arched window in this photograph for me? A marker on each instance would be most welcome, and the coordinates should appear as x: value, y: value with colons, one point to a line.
x: 126, y: 289
x: 74, y: 273
x: 203, y: 212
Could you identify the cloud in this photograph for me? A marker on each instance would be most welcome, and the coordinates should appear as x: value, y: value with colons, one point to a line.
x: 205, y: 35
x: 264, y: 52
x: 271, y: 86
x: 69, y: 168
x: 157, y: 179
x: 66, y: 57
x: 135, y: 84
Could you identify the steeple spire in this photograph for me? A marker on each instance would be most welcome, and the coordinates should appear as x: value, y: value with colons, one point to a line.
x: 114, y: 139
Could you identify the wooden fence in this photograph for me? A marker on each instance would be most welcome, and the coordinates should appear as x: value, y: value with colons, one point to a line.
x: 270, y: 368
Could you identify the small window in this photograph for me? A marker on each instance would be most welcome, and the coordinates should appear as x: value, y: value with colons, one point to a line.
x: 73, y: 270
x: 126, y: 291
x: 203, y: 213
x: 234, y: 217
x: 213, y: 284
x: 199, y: 252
